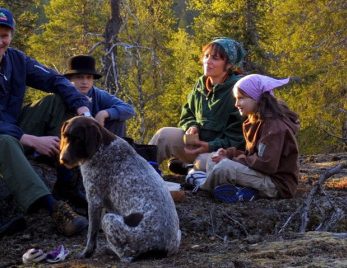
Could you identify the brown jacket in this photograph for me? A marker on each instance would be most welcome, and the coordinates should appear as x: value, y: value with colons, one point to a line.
x: 272, y: 149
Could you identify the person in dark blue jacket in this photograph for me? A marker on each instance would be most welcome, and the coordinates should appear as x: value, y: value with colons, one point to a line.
x: 110, y: 111
x: 17, y: 71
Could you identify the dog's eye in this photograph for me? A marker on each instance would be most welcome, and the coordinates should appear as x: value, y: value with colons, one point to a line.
x: 75, y: 139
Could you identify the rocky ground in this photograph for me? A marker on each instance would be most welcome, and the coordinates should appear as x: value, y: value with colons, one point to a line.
x: 222, y: 235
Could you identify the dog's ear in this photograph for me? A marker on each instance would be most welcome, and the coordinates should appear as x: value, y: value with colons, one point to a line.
x: 92, y: 138
x: 63, y: 127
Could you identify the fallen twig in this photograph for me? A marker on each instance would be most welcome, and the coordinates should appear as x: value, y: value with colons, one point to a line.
x: 304, y: 209
x: 238, y: 223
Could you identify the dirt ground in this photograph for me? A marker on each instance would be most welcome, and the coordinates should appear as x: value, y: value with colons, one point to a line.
x: 222, y: 235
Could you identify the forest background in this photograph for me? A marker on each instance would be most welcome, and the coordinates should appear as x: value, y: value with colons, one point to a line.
x: 149, y: 53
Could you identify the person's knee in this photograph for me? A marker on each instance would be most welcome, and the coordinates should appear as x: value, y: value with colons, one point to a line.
x: 225, y: 169
x: 7, y: 142
x: 162, y: 132
x: 117, y: 127
x: 164, y: 135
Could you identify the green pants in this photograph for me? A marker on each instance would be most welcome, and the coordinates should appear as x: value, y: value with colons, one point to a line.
x: 19, y: 175
x: 43, y: 117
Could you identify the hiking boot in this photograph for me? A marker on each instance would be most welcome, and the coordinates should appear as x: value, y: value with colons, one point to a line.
x: 179, y: 167
x: 12, y: 226
x: 66, y: 220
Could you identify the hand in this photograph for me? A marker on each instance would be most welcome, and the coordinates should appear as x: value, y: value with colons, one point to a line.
x: 219, y: 155
x: 192, y: 130
x: 45, y: 145
x: 199, y: 148
x: 101, y: 116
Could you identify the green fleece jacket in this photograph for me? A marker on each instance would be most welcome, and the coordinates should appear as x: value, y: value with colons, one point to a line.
x: 215, y: 114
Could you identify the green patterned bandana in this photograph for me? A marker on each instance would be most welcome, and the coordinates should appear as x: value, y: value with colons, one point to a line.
x: 233, y: 49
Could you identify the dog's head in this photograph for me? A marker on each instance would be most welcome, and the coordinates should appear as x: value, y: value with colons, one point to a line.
x: 80, y: 139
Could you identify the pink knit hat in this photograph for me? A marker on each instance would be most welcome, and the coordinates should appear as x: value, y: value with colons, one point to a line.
x: 255, y: 84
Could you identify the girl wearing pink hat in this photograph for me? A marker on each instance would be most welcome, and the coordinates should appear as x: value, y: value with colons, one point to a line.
x: 269, y: 165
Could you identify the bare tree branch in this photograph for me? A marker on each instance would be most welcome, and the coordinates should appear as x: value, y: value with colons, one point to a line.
x: 304, y: 209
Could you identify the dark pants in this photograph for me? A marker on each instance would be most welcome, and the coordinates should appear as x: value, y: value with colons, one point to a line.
x: 46, y: 116
x: 19, y: 176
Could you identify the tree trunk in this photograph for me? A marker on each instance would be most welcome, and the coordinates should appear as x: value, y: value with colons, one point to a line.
x: 110, y: 58
x: 344, y: 132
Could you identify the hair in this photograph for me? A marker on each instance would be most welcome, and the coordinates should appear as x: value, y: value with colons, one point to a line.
x: 12, y: 30
x: 217, y: 49
x: 269, y: 106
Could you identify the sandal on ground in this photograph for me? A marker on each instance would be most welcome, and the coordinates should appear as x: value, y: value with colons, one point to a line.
x: 33, y: 255
x: 57, y: 255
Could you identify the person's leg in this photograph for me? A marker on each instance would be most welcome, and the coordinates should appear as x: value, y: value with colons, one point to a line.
x: 117, y: 127
x: 201, y: 161
x: 30, y: 191
x: 44, y: 117
x: 170, y: 144
x: 231, y: 172
x: 18, y: 174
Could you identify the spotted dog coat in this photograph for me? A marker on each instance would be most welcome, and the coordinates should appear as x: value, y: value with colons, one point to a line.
x: 141, y: 216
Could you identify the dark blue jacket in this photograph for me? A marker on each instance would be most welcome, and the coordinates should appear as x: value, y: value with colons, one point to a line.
x: 17, y: 71
x: 102, y: 100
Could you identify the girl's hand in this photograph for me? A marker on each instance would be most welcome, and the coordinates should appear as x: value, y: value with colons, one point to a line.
x: 219, y: 155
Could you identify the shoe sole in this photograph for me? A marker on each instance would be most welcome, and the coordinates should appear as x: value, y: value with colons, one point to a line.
x: 226, y: 193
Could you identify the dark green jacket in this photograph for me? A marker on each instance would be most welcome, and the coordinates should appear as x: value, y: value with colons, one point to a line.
x: 215, y: 114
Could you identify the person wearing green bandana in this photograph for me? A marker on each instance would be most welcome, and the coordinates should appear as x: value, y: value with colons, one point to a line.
x: 209, y: 112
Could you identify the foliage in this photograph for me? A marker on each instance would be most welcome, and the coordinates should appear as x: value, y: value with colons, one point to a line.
x: 73, y: 27
x: 185, y: 70
x: 311, y: 46
x: 25, y: 15
x: 145, y: 66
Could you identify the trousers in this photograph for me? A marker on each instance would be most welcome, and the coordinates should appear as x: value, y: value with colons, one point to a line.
x: 19, y: 176
x: 169, y: 142
x: 231, y: 172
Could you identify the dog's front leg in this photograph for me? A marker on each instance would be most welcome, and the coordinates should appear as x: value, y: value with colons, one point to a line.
x: 94, y: 211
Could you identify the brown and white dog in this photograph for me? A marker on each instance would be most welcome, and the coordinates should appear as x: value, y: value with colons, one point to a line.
x: 140, y: 214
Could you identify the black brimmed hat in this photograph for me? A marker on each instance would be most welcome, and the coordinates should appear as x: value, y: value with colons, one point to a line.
x: 82, y: 64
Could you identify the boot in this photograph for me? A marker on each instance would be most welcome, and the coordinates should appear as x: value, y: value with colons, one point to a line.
x: 66, y: 220
x: 179, y: 167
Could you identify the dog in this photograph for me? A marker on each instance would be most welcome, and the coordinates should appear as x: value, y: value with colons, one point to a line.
x: 140, y: 213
